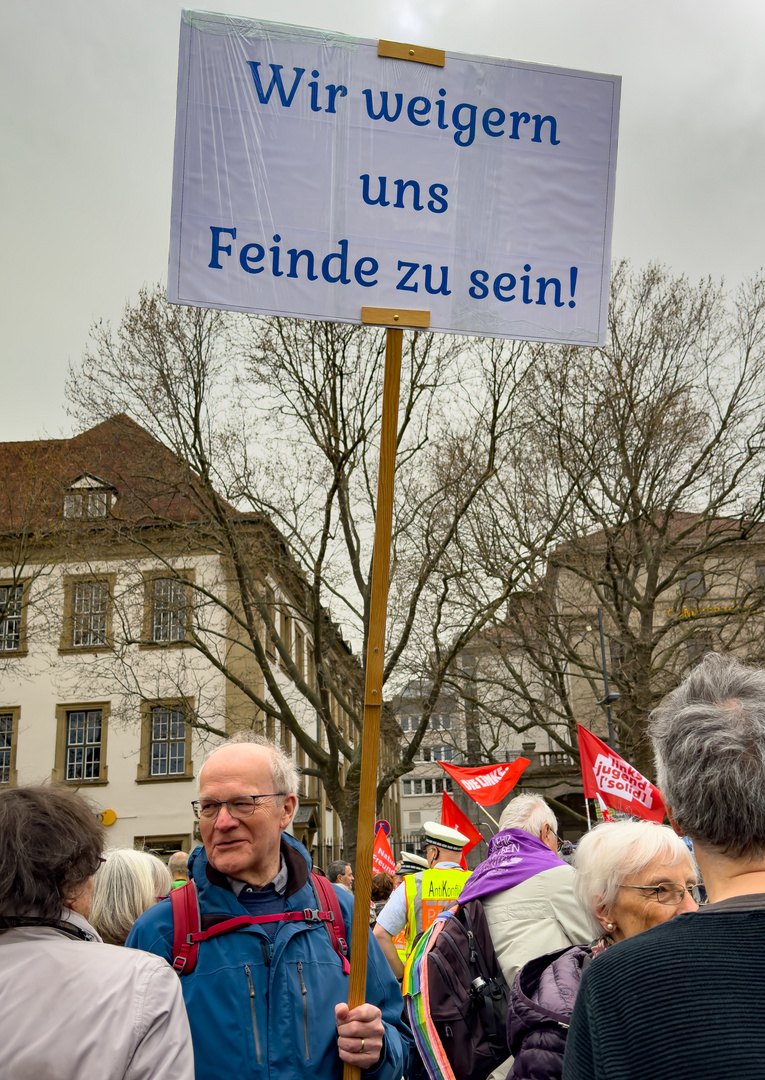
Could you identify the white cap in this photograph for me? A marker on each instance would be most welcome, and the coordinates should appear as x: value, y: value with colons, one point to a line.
x: 411, y: 863
x: 443, y: 837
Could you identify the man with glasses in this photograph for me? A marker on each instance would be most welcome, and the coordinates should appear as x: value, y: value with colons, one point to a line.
x: 269, y: 1000
x: 688, y: 996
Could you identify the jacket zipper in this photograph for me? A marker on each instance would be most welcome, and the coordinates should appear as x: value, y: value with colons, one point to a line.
x: 304, y: 992
x: 252, y: 1010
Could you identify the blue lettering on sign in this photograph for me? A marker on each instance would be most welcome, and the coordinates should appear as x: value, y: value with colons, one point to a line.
x: 338, y: 268
x: 334, y: 91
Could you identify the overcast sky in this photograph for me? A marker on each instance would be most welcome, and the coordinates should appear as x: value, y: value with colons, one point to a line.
x: 87, y: 92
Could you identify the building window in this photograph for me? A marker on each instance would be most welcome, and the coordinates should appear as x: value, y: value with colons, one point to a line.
x: 11, y: 604
x: 698, y: 646
x: 168, y: 742
x: 693, y: 585
x: 87, y: 612
x: 9, y: 726
x: 440, y: 722
x: 300, y: 651
x: 89, y: 497
x: 285, y: 632
x: 90, y: 606
x: 81, y: 743
x: 163, y: 846
x: 169, y: 609
x: 427, y: 785
x: 166, y: 728
x: 435, y: 753
x: 86, y: 504
x: 268, y: 595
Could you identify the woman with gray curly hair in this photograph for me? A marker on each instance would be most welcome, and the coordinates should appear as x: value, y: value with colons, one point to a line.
x: 630, y: 876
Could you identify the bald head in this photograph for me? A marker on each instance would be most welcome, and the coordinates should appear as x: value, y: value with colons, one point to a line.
x: 247, y: 747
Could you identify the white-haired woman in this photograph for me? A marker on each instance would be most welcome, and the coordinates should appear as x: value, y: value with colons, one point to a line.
x: 128, y: 883
x: 631, y: 875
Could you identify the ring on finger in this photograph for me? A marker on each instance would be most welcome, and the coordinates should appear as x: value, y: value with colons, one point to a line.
x: 362, y: 1047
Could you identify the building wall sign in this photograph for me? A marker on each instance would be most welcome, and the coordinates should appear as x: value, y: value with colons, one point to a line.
x: 314, y: 177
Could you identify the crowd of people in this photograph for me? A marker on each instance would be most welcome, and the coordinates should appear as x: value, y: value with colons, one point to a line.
x: 638, y: 960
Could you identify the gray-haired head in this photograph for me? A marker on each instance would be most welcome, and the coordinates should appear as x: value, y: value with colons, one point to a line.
x: 283, y: 771
x: 709, y: 741
x: 528, y: 812
x: 618, y: 851
x: 126, y: 885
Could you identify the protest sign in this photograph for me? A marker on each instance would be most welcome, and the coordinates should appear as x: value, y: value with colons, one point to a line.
x: 314, y: 177
x: 620, y: 786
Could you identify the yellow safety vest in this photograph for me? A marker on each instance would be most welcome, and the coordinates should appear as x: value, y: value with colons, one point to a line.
x: 428, y: 893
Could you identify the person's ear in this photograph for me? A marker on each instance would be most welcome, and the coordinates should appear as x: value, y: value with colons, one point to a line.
x: 605, y: 918
x: 675, y: 827
x: 288, y: 810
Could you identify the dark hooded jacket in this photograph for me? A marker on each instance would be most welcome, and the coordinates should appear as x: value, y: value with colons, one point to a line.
x: 541, y: 1003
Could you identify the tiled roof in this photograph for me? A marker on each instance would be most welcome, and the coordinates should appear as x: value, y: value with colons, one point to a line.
x: 148, y: 479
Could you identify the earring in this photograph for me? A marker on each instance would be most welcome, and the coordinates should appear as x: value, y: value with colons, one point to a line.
x: 609, y: 926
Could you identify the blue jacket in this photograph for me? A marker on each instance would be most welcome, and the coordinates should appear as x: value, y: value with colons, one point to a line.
x: 265, y: 1010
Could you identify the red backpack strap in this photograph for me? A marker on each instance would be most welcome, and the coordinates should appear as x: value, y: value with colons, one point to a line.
x: 335, y: 924
x: 186, y: 922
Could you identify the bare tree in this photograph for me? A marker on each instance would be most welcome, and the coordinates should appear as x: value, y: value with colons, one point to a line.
x: 654, y: 445
x: 273, y: 429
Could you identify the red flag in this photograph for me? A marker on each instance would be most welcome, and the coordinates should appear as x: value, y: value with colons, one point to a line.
x: 382, y: 856
x: 452, y: 816
x: 621, y: 786
x: 487, y: 784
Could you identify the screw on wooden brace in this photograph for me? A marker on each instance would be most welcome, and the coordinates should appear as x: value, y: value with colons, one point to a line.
x: 397, y: 50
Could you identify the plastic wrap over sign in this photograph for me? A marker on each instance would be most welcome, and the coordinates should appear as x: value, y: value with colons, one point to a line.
x: 313, y: 177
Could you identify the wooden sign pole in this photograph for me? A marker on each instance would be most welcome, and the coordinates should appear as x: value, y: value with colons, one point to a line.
x: 373, y: 689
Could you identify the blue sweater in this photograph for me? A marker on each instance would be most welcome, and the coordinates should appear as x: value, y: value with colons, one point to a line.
x: 685, y: 999
x: 263, y: 1009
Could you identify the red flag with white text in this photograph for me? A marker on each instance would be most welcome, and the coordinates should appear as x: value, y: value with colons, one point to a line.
x: 487, y: 784
x: 452, y: 816
x: 620, y: 785
x: 382, y: 856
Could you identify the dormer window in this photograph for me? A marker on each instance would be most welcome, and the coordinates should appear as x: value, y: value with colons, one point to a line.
x: 89, y: 497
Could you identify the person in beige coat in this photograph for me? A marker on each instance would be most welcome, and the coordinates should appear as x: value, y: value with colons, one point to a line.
x: 542, y: 913
x: 527, y: 891
x: 73, y: 1007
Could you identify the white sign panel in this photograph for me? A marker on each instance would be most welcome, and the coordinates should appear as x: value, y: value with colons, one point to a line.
x: 313, y: 178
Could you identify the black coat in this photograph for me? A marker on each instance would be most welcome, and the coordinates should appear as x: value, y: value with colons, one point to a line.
x: 541, y: 1003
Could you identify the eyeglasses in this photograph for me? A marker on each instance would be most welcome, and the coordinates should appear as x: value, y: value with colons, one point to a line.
x: 240, y: 807
x: 667, y: 892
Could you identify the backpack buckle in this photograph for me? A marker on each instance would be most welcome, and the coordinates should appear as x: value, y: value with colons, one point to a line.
x: 311, y: 914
